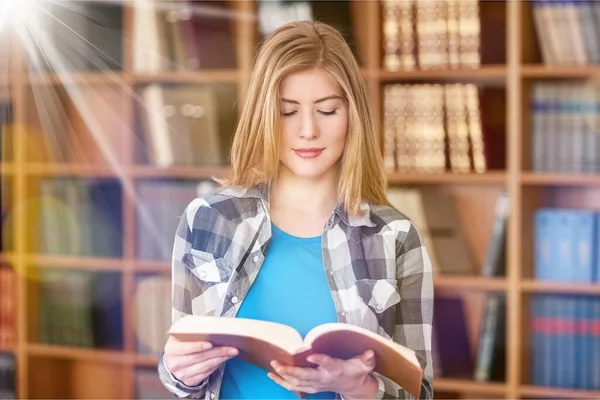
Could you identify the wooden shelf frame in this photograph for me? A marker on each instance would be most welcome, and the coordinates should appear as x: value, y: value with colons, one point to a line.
x: 512, y: 74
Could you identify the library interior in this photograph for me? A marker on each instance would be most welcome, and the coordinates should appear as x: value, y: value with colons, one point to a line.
x: 96, y: 96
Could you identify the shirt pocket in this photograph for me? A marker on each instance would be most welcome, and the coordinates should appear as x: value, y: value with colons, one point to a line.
x: 211, y: 283
x: 378, y: 294
x: 208, y: 268
x: 379, y: 298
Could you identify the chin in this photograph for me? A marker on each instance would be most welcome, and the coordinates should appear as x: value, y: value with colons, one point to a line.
x: 313, y: 173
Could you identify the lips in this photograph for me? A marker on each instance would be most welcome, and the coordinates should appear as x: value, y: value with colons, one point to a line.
x: 312, y: 152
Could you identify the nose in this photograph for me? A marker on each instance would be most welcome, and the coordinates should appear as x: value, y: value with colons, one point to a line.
x: 309, y: 129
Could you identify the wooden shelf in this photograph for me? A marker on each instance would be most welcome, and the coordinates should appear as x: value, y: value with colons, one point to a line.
x: 76, y: 262
x: 544, y: 71
x: 484, y: 73
x: 144, y: 360
x: 471, y: 282
x: 54, y: 169
x: 8, y: 349
x: 89, y: 78
x: 535, y: 286
x: 558, y: 393
x: 488, y: 178
x: 207, y: 76
x: 6, y: 257
x: 199, y: 172
x: 7, y: 168
x: 468, y: 386
x: 562, y: 179
x: 152, y: 266
x: 75, y: 353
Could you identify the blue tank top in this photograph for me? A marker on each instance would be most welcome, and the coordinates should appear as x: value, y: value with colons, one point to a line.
x: 291, y: 288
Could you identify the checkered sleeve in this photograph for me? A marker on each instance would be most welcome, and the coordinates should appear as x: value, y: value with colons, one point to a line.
x: 414, y: 315
x: 184, y: 289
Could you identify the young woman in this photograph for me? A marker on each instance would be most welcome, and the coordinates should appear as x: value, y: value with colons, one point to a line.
x: 301, y: 233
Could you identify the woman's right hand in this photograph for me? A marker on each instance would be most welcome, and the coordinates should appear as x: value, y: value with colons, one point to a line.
x: 192, y: 362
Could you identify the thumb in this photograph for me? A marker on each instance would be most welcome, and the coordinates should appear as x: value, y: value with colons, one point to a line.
x: 368, y: 358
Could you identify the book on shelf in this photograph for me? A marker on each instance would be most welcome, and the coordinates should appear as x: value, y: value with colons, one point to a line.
x: 260, y: 342
x: 564, y: 338
x: 567, y: 31
x: 8, y: 375
x: 441, y: 34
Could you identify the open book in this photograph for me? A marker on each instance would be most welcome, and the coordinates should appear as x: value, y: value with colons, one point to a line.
x: 260, y: 342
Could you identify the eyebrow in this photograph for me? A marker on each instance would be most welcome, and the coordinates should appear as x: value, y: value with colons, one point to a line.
x: 333, y: 96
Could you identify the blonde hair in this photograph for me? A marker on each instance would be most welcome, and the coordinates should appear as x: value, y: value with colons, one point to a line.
x: 295, y: 47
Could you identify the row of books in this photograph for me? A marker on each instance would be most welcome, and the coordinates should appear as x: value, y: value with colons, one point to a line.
x: 84, y: 308
x: 565, y: 127
x: 434, y: 213
x: 8, y: 375
x: 186, y: 124
x: 567, y: 31
x: 566, y: 245
x: 79, y: 217
x: 453, y: 354
x: 196, y: 35
x: 437, y: 34
x: 80, y: 308
x: 84, y: 217
x: 8, y: 307
x: 565, y: 341
x: 183, y: 35
x: 433, y: 128
x: 75, y: 36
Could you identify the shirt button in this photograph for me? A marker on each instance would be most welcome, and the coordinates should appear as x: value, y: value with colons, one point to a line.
x: 256, y: 258
x: 212, y: 395
x: 234, y: 299
x: 379, y: 307
x: 343, y: 313
x: 202, y: 274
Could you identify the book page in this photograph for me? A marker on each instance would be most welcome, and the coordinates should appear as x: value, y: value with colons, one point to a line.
x: 215, y: 329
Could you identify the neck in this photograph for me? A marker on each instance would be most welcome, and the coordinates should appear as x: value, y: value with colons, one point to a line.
x: 304, y: 196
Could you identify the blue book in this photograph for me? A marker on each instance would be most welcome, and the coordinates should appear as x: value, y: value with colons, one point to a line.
x: 536, y: 355
x: 596, y: 249
x: 583, y: 230
x: 542, y: 241
x: 563, y: 240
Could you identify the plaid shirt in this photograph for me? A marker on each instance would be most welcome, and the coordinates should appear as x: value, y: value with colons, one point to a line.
x: 377, y: 268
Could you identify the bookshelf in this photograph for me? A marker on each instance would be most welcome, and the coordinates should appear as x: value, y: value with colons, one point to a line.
x: 511, y: 62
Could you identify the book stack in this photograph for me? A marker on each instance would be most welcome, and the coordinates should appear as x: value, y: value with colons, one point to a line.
x: 433, y: 34
x: 186, y: 125
x: 568, y: 31
x: 565, y: 127
x: 432, y: 128
x: 183, y: 35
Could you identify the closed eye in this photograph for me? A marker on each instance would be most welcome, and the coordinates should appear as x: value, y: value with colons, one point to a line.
x: 328, y: 112
x: 288, y: 114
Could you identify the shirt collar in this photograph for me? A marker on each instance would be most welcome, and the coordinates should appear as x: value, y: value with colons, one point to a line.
x: 262, y: 192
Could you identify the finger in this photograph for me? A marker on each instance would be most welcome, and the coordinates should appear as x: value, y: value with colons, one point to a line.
x: 197, y: 372
x: 289, y: 386
x: 322, y: 360
x: 177, y: 347
x: 302, y: 374
x: 365, y: 362
x: 368, y: 358
x: 183, y: 361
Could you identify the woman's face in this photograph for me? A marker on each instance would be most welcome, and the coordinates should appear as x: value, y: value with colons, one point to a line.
x: 314, y: 119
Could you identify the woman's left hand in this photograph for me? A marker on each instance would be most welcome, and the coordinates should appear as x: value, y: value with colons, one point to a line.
x: 351, y: 378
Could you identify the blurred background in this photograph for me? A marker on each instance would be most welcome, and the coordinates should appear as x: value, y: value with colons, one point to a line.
x: 114, y: 115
